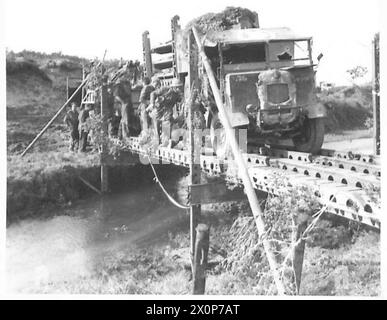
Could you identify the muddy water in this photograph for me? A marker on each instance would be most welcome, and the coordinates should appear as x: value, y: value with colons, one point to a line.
x: 73, y: 241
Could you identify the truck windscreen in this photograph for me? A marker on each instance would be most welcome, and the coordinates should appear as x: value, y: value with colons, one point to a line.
x: 244, y: 53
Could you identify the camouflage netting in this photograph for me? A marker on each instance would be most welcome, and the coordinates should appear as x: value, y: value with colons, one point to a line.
x: 132, y: 71
x: 223, y: 20
x: 112, y: 72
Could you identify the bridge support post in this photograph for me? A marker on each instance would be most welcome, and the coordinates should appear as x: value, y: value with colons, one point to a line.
x: 194, y: 178
x: 194, y: 147
x: 200, y: 259
x: 104, y: 179
x: 104, y: 167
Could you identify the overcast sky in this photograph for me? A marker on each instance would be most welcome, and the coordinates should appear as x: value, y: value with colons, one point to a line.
x: 342, y: 29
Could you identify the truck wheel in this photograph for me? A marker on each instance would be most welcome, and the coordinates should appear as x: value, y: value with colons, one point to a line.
x: 217, y: 135
x: 312, y: 136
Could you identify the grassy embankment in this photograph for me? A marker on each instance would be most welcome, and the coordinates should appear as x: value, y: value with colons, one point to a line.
x: 47, y: 175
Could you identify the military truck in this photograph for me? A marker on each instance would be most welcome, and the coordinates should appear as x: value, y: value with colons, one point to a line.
x: 266, y: 77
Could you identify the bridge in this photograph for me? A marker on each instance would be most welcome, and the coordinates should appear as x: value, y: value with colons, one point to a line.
x: 346, y: 184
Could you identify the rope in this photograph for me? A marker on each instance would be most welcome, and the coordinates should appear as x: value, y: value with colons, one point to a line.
x: 170, y: 198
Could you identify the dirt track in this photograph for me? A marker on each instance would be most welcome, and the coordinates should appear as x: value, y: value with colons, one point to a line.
x: 364, y: 145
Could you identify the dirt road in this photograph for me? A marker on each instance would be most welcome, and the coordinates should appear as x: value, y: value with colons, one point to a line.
x: 363, y: 145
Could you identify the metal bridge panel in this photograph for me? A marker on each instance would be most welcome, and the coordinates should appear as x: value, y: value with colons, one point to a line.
x: 345, y: 200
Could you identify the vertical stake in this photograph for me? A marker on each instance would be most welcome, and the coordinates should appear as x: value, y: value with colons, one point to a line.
x: 201, y: 256
x: 194, y: 178
x: 194, y: 167
x: 104, y: 168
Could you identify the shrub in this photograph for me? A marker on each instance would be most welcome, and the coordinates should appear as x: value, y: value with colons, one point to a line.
x: 29, y: 67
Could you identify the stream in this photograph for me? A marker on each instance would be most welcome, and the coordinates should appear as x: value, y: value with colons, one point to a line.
x: 72, y: 241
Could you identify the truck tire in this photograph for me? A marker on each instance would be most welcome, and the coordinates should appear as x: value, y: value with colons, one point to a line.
x: 312, y: 136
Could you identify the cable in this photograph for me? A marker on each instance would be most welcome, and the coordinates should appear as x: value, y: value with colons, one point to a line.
x: 170, y: 198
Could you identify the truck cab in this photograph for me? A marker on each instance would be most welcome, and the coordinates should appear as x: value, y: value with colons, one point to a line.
x: 267, y: 80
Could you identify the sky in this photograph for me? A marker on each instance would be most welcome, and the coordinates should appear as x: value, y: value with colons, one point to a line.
x: 342, y: 29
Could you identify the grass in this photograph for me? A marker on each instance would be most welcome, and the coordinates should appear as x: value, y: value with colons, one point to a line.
x: 350, y: 269
x: 48, y: 162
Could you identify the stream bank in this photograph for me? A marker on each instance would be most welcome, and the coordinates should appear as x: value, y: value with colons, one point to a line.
x: 33, y: 191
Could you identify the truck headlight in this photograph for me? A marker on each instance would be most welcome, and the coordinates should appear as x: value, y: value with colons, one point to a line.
x: 251, y: 109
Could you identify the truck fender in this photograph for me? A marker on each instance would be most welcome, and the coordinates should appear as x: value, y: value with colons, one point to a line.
x: 238, y: 119
x: 317, y: 110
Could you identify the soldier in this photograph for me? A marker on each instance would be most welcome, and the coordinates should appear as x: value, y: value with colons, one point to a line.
x: 111, y: 113
x: 162, y: 102
x: 156, y: 84
x: 122, y: 93
x: 71, y: 120
x: 114, y: 124
x: 83, y: 129
x: 144, y: 102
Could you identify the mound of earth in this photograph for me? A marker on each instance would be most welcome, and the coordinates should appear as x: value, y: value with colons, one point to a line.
x: 34, y: 94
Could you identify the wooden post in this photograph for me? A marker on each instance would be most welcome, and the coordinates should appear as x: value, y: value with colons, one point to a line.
x: 174, y: 27
x: 200, y: 259
x: 298, y: 253
x: 104, y: 167
x: 375, y: 92
x: 194, y: 167
x: 146, y: 47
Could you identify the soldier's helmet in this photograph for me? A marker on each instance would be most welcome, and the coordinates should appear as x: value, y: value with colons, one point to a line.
x: 155, y: 81
x: 176, y: 83
x: 105, y: 78
x: 146, y: 80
